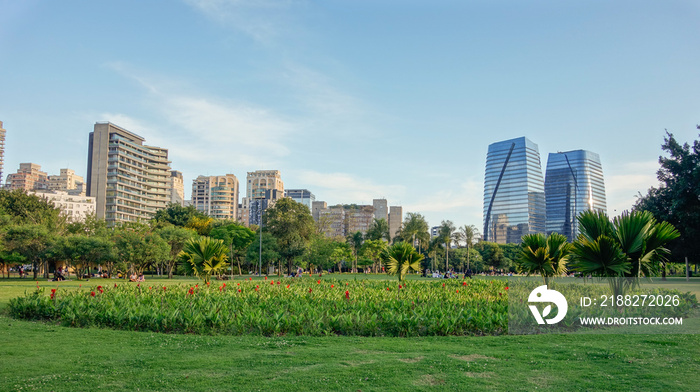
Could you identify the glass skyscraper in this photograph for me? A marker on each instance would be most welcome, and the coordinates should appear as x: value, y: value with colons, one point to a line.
x: 574, y: 183
x: 514, y: 203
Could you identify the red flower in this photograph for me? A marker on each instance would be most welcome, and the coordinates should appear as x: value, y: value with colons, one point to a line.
x: 464, y: 283
x: 52, y: 294
x: 332, y: 286
x: 150, y: 288
x: 400, y: 287
x: 138, y: 285
x: 99, y: 287
x: 266, y: 278
x: 239, y: 284
x: 53, y: 291
x: 164, y: 288
x: 208, y: 283
x: 443, y: 285
x: 197, y: 285
x: 287, y: 286
x: 347, y: 294
x: 279, y: 282
x: 256, y: 289
x: 309, y: 290
x: 318, y: 281
x: 506, y: 287
x: 256, y: 286
x: 458, y: 290
x: 115, y: 285
x: 346, y: 284
x: 500, y: 293
x: 272, y: 283
x: 388, y: 289
x: 191, y: 291
x: 250, y: 278
x: 92, y: 293
x: 239, y: 290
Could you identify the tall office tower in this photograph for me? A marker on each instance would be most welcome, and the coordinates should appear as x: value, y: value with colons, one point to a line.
x: 303, y: 196
x: 573, y: 184
x: 514, y: 203
x: 3, y: 132
x: 29, y: 177
x: 216, y: 196
x: 263, y: 188
x: 68, y: 182
x: 381, y: 211
x: 129, y: 180
x: 395, y: 220
x: 176, y: 188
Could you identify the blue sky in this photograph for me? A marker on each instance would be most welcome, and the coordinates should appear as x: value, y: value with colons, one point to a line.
x: 354, y: 100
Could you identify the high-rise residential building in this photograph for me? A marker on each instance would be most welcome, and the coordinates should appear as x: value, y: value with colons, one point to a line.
x: 75, y: 207
x: 216, y: 196
x: 381, y: 211
x: 263, y: 188
x: 68, y: 182
x: 303, y: 196
x: 28, y: 177
x: 514, y: 203
x: 3, y: 132
x: 128, y: 179
x: 358, y: 218
x: 176, y: 188
x: 316, y: 208
x: 332, y: 221
x: 395, y: 220
x: 573, y: 184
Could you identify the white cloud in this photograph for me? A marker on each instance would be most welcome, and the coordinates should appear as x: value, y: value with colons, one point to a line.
x: 263, y: 20
x: 624, y: 184
x: 340, y: 188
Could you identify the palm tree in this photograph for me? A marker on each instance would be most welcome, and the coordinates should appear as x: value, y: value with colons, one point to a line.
x: 415, y: 227
x: 378, y: 230
x: 402, y: 257
x: 355, y: 241
x: 446, y: 233
x: 468, y: 233
x: 631, y: 245
x: 204, y: 257
x: 542, y: 255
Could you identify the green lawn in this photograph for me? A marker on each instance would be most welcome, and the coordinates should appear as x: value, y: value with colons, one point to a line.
x: 38, y: 356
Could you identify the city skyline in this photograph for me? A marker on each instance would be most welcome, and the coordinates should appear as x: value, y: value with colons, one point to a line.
x: 390, y: 110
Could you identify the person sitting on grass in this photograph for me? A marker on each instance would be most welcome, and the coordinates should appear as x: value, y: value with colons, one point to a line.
x: 141, y: 278
x: 132, y: 278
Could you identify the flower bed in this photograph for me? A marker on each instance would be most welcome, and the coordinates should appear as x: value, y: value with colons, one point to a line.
x: 314, y: 307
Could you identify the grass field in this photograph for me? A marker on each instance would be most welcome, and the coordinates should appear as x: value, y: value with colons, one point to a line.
x: 39, y: 356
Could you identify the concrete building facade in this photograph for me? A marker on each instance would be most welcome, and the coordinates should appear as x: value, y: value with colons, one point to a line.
x: 3, y: 133
x: 263, y: 188
x: 381, y: 209
x: 128, y: 179
x: 28, y: 177
x: 176, y: 188
x: 75, y: 207
x: 395, y: 220
x: 68, y: 182
x: 216, y: 196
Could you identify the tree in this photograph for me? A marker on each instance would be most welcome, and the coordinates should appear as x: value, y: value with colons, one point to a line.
x: 237, y: 237
x: 491, y: 253
x: 469, y: 234
x: 546, y: 256
x: 204, y: 257
x: 341, y: 253
x: 202, y: 224
x: 270, y: 251
x: 176, y: 215
x: 446, y: 233
x: 319, y: 252
x: 176, y: 237
x: 292, y: 225
x: 24, y: 208
x: 355, y: 241
x: 378, y: 230
x: 30, y: 241
x: 8, y: 260
x: 402, y: 257
x: 83, y: 251
x: 414, y: 228
x: 676, y: 200
x: 632, y: 245
x: 373, y: 250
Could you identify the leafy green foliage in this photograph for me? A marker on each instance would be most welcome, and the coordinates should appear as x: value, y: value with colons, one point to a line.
x: 176, y: 237
x: 292, y: 225
x: 400, y: 258
x: 31, y: 241
x: 546, y: 256
x: 236, y: 237
x: 204, y: 257
x: 270, y: 251
x: 176, y: 215
x: 378, y: 230
x: 676, y: 200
